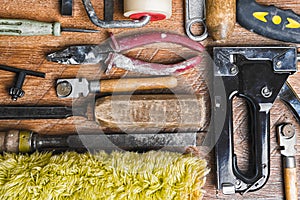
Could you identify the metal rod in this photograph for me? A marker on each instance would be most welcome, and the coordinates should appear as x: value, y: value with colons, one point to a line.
x: 39, y: 112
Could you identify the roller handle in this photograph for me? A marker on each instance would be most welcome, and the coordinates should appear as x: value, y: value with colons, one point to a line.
x: 269, y: 21
x: 132, y: 84
x: 290, y: 178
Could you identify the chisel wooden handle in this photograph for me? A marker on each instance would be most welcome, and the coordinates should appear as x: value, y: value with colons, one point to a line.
x: 220, y: 18
x: 132, y: 84
x: 290, y: 178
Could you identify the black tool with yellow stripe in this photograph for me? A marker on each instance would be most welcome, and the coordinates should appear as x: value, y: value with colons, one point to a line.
x: 269, y: 21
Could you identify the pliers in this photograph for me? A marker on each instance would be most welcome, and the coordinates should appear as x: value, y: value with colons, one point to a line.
x: 109, y: 53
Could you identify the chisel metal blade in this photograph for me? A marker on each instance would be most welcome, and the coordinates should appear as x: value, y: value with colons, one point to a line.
x: 132, y: 142
x: 40, y: 112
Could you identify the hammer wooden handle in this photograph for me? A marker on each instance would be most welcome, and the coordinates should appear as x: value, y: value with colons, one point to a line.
x: 132, y: 84
x: 290, y: 183
x: 220, y: 18
x: 150, y: 113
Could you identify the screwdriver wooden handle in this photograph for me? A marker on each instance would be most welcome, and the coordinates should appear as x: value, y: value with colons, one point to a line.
x: 220, y: 18
x: 132, y: 84
x: 290, y: 183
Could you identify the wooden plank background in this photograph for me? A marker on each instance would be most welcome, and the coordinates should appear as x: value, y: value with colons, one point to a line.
x: 29, y: 53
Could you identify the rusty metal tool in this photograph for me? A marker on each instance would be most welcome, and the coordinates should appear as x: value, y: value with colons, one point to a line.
x: 269, y: 21
x: 16, y: 91
x: 108, y: 53
x: 74, y: 88
x: 195, y: 12
x: 257, y: 75
x: 287, y: 142
x: 22, y: 27
x: 22, y: 141
x: 220, y: 18
x: 67, y: 7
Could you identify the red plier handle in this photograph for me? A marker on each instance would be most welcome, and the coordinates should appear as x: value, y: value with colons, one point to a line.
x: 109, y: 53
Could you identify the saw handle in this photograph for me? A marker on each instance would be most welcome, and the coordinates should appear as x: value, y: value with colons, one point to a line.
x: 132, y: 84
x: 269, y: 21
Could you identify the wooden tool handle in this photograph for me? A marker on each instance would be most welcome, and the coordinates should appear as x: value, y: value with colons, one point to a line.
x: 152, y: 113
x: 290, y: 183
x: 220, y: 18
x: 132, y: 84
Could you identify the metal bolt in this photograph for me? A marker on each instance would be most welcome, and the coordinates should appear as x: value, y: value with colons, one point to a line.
x: 233, y: 70
x: 288, y: 130
x: 63, y: 89
x: 279, y: 64
x: 238, y: 182
x: 266, y: 92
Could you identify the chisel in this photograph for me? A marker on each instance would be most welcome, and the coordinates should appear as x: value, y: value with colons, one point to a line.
x: 23, y: 27
x: 23, y: 141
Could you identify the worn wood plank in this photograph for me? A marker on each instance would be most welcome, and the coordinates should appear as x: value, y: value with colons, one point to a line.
x: 29, y: 53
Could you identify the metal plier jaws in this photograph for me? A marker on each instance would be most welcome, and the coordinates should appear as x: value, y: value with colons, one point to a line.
x: 109, y: 54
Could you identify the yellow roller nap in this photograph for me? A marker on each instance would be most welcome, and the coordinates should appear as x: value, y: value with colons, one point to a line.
x: 119, y: 175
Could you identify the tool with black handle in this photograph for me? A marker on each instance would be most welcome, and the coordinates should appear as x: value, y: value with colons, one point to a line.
x: 269, y: 21
x: 257, y: 75
x: 23, y: 141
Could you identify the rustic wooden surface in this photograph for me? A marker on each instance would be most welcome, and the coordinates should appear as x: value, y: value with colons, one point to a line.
x: 29, y: 53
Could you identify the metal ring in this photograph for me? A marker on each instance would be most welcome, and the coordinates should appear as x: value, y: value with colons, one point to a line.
x: 189, y: 25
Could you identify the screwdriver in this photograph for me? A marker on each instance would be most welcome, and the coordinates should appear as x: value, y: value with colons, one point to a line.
x: 23, y: 27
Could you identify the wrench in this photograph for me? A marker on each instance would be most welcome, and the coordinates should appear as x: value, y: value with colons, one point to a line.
x: 195, y: 14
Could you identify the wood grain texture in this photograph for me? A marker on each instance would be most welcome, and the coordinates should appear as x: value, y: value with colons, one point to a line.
x: 152, y: 113
x: 290, y: 183
x: 220, y: 18
x: 29, y: 53
x: 133, y: 84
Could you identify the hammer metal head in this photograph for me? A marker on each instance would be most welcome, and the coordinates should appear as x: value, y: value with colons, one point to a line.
x: 287, y: 139
x: 72, y: 88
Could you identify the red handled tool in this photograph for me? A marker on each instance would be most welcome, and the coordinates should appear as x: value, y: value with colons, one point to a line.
x: 109, y: 54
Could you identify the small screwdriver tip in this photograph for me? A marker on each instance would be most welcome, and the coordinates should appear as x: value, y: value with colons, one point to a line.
x: 79, y: 30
